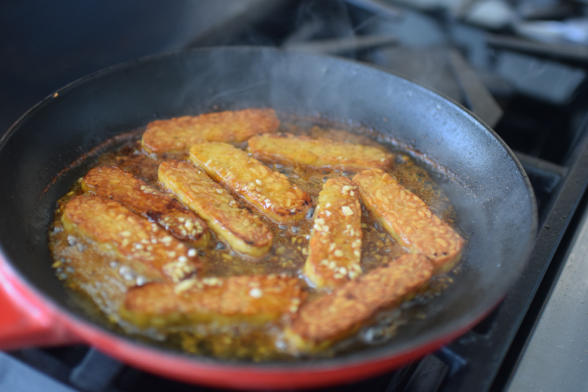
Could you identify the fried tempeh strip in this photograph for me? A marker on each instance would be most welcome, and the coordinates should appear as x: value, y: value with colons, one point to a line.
x: 331, y: 317
x: 254, y: 299
x: 335, y: 241
x: 318, y: 153
x: 270, y: 192
x: 116, y: 230
x: 176, y: 135
x: 408, y: 219
x: 243, y: 231
x: 116, y: 184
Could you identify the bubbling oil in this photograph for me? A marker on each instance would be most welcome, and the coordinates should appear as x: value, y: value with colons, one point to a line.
x: 99, y: 283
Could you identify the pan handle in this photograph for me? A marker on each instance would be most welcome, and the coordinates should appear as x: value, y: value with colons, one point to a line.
x: 25, y: 320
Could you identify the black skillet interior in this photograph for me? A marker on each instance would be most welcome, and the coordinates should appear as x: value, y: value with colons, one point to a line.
x: 493, y: 199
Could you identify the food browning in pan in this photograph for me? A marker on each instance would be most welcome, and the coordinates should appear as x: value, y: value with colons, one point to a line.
x: 176, y: 135
x: 253, y: 299
x: 219, y: 253
x: 136, y: 195
x: 268, y: 191
x: 318, y: 153
x: 328, y: 318
x: 242, y: 230
x: 408, y: 219
x: 116, y: 231
x: 334, y: 252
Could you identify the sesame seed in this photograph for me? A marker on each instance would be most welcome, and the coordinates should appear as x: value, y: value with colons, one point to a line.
x: 184, y: 285
x: 126, y: 273
x: 346, y: 211
x: 255, y: 292
x: 141, y: 280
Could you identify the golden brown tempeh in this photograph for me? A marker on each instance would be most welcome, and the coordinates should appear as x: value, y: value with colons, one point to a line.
x: 331, y: 317
x: 408, y: 219
x: 116, y: 184
x: 242, y: 230
x: 268, y: 191
x: 176, y: 135
x: 318, y: 153
x: 117, y: 231
x: 254, y: 299
x: 335, y: 241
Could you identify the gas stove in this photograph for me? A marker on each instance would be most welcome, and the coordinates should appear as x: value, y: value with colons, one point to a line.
x: 525, y: 81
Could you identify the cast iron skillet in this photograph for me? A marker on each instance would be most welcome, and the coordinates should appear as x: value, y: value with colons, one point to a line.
x: 494, y: 202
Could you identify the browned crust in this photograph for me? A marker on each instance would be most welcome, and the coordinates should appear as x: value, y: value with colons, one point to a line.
x: 408, y: 219
x: 242, y: 230
x: 176, y: 135
x: 334, y: 316
x: 117, y: 231
x: 335, y: 241
x: 318, y: 153
x: 270, y: 192
x: 255, y: 299
x: 116, y: 184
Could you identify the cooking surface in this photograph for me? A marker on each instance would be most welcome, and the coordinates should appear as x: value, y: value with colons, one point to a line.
x: 288, y: 253
x: 540, y: 90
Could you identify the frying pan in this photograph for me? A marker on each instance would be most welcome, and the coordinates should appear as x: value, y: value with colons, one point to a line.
x: 492, y: 196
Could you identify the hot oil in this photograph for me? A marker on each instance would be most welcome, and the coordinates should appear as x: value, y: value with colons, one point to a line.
x: 105, y: 279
